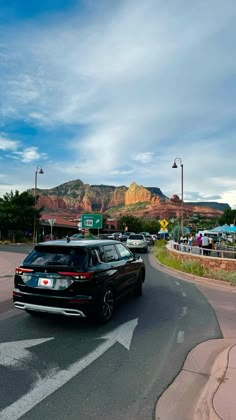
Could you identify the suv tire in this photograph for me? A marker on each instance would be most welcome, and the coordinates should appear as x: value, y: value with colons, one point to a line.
x: 106, y: 305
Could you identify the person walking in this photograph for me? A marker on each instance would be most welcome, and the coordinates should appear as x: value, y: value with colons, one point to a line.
x: 205, y: 244
x: 199, y: 242
x: 190, y: 242
x: 210, y: 246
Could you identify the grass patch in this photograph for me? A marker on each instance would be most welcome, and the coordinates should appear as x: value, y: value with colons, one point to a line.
x: 229, y: 276
x: 190, y: 266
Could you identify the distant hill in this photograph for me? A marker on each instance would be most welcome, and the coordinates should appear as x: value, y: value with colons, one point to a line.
x: 211, y: 204
x: 75, y: 197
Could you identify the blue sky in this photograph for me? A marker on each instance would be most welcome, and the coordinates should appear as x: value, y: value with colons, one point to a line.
x: 112, y: 92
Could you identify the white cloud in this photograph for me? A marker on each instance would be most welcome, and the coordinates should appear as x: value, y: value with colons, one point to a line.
x: 144, y: 157
x: 144, y: 84
x: 30, y: 154
x: 7, y: 144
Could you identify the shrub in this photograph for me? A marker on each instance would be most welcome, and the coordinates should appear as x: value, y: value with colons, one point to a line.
x: 190, y: 266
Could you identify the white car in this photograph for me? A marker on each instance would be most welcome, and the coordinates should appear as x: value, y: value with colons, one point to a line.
x: 137, y: 242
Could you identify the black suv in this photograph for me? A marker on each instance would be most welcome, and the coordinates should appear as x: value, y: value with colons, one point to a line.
x: 78, y: 278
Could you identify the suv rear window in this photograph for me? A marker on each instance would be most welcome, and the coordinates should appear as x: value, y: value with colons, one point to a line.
x: 58, y: 256
x: 140, y: 237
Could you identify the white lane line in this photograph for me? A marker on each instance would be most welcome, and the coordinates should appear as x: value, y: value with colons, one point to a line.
x: 184, y: 312
x: 180, y: 337
x: 184, y: 294
x: 178, y: 284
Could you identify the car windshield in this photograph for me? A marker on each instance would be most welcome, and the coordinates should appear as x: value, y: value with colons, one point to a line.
x: 58, y: 256
x: 140, y: 237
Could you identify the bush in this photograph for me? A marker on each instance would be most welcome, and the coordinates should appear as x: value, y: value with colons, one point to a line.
x: 190, y: 266
x: 4, y: 242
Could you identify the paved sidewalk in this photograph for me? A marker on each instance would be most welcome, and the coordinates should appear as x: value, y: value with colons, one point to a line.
x: 8, y: 262
x: 205, y: 387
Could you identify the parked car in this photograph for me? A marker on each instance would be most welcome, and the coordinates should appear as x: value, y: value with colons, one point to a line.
x: 137, y: 242
x: 79, y: 278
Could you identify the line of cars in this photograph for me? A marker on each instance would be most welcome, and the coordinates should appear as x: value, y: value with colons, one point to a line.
x: 135, y: 241
x: 138, y: 242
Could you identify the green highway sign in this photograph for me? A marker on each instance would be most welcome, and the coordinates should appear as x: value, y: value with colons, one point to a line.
x: 91, y: 221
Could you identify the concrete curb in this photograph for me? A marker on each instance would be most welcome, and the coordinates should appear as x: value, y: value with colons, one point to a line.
x: 205, y: 409
x: 191, y: 395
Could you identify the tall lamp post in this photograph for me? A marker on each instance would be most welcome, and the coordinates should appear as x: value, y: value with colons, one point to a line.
x: 179, y: 160
x: 39, y: 170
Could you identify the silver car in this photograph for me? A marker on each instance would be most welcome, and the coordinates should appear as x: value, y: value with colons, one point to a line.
x: 137, y: 242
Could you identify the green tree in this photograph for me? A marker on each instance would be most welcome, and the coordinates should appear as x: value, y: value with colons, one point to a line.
x: 228, y: 217
x: 132, y: 223
x: 17, y: 212
x: 150, y: 225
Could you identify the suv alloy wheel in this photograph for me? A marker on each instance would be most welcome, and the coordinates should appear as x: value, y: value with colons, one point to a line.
x: 106, y: 305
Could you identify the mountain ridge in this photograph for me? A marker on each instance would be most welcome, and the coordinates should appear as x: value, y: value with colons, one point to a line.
x: 76, y: 197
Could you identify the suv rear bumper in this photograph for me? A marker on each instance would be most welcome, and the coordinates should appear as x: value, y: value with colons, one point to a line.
x: 49, y: 309
x: 75, y: 306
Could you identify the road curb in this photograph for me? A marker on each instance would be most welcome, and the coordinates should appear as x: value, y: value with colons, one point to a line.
x: 191, y: 395
x: 205, y: 409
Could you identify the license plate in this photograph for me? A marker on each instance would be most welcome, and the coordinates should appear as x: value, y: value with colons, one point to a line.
x: 43, y: 282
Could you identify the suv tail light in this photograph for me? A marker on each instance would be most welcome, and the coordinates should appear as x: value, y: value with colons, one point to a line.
x: 20, y: 270
x: 77, y: 275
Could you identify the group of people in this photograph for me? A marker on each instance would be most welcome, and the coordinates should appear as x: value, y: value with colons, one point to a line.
x: 187, y: 240
x: 204, y: 242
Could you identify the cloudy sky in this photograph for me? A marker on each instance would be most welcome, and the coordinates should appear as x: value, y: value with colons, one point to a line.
x: 112, y: 91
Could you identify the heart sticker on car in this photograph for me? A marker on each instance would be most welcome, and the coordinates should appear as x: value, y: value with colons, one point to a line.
x: 45, y: 282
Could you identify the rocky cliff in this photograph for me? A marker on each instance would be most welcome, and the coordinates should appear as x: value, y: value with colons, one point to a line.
x: 139, y: 194
x: 75, y: 197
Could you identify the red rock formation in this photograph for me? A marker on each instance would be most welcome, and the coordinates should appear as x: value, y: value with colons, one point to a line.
x: 75, y: 197
x: 137, y: 194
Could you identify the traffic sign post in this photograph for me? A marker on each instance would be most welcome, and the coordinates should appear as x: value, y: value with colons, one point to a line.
x: 164, y: 223
x: 51, y: 223
x: 91, y: 221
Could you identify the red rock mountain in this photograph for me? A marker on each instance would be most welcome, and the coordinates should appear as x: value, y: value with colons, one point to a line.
x: 75, y: 197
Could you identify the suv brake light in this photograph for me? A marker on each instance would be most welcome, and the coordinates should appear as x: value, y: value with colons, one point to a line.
x: 20, y: 270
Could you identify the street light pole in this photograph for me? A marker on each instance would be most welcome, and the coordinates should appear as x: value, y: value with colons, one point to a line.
x: 182, y: 190
x: 39, y: 170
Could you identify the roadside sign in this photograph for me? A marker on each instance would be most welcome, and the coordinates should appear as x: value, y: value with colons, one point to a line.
x: 164, y: 223
x: 91, y: 221
x: 51, y: 221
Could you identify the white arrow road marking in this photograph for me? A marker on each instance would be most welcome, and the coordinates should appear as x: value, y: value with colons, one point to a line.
x: 45, y: 387
x: 180, y: 337
x: 12, y: 353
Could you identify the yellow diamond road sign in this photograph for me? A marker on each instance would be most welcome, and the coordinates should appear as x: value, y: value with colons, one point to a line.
x: 164, y: 223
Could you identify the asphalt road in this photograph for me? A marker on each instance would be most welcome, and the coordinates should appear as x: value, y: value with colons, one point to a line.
x: 117, y: 371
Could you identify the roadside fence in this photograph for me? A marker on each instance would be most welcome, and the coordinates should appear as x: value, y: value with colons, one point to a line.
x: 218, y: 250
